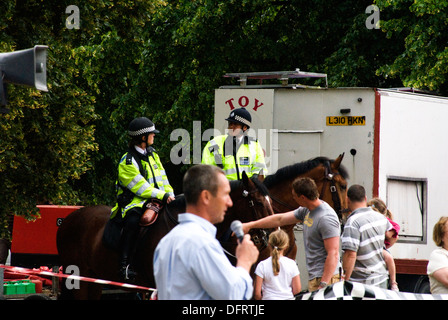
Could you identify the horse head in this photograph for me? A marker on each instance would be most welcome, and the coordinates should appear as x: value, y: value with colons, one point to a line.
x: 332, y: 184
x: 251, y: 201
x: 330, y: 177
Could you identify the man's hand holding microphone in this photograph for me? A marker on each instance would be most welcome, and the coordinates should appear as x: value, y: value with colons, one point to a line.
x: 246, y: 252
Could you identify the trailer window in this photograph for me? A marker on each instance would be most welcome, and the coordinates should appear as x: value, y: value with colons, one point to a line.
x: 406, y: 199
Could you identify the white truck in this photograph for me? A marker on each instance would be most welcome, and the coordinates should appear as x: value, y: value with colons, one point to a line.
x: 394, y: 142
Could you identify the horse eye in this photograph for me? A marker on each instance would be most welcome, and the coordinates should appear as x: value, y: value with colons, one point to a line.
x: 344, y: 187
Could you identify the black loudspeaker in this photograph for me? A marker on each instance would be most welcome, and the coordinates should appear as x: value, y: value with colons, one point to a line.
x: 24, y: 67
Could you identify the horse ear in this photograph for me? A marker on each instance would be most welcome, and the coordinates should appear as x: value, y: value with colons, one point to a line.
x: 338, y: 161
x: 245, y: 178
x: 261, y: 176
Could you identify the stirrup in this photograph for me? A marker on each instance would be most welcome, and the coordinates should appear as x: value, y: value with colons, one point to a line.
x: 127, y: 273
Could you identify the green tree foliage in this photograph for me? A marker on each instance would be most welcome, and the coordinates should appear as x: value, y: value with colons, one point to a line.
x: 46, y: 138
x: 52, y: 140
x: 190, y: 45
x: 421, y: 25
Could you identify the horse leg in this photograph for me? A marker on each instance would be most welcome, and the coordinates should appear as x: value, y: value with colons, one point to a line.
x: 79, y: 244
x: 94, y: 291
x: 82, y: 293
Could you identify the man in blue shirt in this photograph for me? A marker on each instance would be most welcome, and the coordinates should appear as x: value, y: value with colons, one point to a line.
x: 189, y: 262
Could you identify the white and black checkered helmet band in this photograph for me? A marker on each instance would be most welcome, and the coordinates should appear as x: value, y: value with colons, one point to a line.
x: 242, y: 120
x: 141, y: 131
x: 141, y: 126
x: 241, y: 116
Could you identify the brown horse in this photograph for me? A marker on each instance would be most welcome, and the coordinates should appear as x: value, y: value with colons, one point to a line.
x: 330, y: 177
x: 79, y: 238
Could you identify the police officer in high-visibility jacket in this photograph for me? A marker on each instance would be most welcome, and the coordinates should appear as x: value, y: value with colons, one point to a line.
x: 236, y: 152
x: 142, y: 188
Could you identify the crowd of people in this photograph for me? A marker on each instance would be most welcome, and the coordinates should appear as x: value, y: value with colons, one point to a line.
x: 189, y: 262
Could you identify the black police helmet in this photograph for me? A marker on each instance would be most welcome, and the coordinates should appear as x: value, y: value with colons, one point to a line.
x: 241, y: 116
x: 141, y: 126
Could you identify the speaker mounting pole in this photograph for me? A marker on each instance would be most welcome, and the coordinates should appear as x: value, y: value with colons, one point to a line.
x: 3, y: 93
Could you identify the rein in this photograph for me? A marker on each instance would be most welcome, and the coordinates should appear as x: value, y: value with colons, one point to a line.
x: 170, y: 216
x: 328, y: 178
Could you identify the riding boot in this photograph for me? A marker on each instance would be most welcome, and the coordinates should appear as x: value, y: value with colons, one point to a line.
x: 129, y: 237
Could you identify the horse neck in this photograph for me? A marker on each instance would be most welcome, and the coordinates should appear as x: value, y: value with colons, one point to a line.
x: 283, y: 191
x: 281, y: 196
x: 231, y: 215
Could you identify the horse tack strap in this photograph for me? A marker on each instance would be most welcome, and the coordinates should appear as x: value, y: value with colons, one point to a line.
x: 257, y: 239
x: 333, y: 190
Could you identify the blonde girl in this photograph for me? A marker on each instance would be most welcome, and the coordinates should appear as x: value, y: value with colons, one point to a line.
x: 277, y: 277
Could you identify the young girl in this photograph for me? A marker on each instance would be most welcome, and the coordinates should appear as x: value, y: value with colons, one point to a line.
x: 277, y: 277
x: 379, y: 205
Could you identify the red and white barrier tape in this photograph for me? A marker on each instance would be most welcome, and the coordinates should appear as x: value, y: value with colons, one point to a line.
x: 73, y: 277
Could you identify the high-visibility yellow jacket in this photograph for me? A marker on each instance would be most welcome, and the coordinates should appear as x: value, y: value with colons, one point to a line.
x: 220, y: 151
x: 143, y: 187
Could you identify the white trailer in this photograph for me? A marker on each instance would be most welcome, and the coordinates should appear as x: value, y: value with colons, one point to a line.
x: 394, y: 144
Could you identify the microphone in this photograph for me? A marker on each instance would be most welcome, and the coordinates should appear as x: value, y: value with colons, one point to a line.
x: 237, y: 228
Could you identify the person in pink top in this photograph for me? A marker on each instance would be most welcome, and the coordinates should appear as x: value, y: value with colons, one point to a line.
x: 378, y: 205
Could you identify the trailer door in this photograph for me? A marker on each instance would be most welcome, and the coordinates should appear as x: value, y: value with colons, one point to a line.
x: 406, y: 198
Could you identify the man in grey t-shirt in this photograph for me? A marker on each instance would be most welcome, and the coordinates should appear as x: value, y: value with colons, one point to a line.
x: 318, y: 225
x: 321, y: 231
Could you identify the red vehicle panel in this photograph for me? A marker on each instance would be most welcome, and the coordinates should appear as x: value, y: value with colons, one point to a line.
x: 39, y: 236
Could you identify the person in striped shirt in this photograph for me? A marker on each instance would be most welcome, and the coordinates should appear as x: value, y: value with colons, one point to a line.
x: 363, y: 240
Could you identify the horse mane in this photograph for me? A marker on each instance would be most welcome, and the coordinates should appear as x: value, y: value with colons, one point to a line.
x: 179, y: 204
x: 235, y: 184
x: 299, y: 168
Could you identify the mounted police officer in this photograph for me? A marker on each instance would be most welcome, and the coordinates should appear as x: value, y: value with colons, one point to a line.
x: 142, y: 188
x: 236, y: 152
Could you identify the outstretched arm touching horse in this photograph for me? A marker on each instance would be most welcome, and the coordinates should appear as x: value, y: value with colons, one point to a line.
x: 272, y: 221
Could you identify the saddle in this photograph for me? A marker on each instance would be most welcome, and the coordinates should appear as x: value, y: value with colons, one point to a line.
x: 113, y: 230
x: 151, y: 212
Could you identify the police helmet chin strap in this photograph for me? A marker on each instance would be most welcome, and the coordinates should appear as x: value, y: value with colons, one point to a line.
x: 145, y: 141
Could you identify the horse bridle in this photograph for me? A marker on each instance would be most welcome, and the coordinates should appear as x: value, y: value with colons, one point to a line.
x: 329, y: 178
x: 258, y: 236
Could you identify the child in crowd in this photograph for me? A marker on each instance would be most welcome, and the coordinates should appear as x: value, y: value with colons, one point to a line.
x: 277, y: 277
x: 379, y: 205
